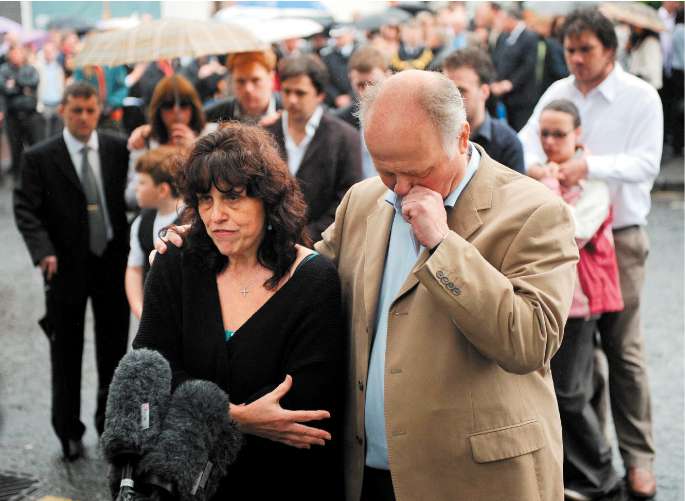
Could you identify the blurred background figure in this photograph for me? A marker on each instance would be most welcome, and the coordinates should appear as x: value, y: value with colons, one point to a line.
x: 515, y: 58
x: 644, y: 55
x: 176, y: 119
x: 336, y: 57
x: 252, y: 76
x: 472, y: 72
x: 671, y: 92
x: 50, y: 87
x: 412, y: 52
x: 18, y: 104
x: 321, y: 151
x: 368, y: 66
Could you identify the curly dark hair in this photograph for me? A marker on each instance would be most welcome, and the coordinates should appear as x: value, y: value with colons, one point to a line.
x: 170, y: 89
x: 241, y: 157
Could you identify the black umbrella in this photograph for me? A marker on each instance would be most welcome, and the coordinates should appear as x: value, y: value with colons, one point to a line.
x: 388, y: 16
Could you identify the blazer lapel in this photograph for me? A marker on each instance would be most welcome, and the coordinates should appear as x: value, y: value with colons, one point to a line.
x: 378, y: 225
x: 63, y: 160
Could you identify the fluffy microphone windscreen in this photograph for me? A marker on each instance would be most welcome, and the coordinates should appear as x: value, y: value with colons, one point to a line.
x: 138, y: 399
x: 197, y: 443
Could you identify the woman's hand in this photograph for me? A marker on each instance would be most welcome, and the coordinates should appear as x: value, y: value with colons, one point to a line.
x: 267, y: 419
x: 139, y: 135
x: 182, y: 135
x: 174, y: 234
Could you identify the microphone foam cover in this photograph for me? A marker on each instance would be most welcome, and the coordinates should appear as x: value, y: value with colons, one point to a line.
x: 197, y: 443
x: 136, y: 405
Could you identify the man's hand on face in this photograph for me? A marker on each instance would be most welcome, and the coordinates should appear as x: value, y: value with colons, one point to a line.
x: 572, y: 171
x: 174, y: 234
x: 424, y: 209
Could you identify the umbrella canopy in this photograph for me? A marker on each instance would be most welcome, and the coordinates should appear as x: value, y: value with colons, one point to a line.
x: 247, y: 10
x: 9, y: 26
x: 388, y: 16
x: 275, y: 30
x: 635, y: 13
x: 166, y: 39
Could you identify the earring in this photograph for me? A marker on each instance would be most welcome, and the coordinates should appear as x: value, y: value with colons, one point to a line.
x: 269, y: 227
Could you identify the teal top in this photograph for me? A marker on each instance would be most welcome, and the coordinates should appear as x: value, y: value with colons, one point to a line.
x: 228, y: 333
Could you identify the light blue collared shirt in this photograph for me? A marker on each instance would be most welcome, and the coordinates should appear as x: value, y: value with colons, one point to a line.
x: 403, y: 251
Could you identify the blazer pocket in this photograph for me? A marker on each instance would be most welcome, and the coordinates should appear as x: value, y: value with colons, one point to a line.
x: 508, y: 442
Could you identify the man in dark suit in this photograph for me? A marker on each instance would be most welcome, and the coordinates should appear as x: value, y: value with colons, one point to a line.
x: 69, y: 207
x: 515, y: 58
x: 323, y: 152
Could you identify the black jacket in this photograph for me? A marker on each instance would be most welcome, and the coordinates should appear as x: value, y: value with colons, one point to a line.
x: 50, y: 207
x: 18, y: 88
x: 331, y: 164
x: 517, y: 63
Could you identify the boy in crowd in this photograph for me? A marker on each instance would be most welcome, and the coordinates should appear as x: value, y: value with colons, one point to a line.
x: 158, y: 197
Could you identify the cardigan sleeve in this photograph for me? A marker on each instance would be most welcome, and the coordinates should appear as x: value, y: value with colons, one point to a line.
x: 314, y: 353
x: 161, y: 322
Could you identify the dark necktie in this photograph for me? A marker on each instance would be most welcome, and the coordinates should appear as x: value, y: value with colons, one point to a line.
x: 96, y: 214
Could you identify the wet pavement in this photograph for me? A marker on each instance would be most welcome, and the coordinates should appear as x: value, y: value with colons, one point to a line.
x: 29, y: 447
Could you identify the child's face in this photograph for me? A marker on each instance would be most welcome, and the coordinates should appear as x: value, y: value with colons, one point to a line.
x: 148, y: 194
x: 558, y: 136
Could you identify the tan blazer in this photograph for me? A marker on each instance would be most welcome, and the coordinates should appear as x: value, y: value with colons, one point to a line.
x: 470, y: 407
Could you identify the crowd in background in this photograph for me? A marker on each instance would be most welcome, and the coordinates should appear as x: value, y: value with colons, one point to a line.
x: 525, y: 49
x: 509, y: 65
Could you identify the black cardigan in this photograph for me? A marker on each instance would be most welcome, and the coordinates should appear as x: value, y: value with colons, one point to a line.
x: 298, y: 331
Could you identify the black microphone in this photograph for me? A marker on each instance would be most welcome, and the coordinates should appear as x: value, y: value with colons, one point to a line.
x: 197, y: 443
x: 138, y: 399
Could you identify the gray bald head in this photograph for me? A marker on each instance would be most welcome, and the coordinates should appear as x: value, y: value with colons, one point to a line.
x: 405, y: 94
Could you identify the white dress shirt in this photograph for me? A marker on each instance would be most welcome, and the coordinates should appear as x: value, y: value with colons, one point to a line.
x: 296, y: 151
x: 74, y: 146
x: 622, y: 123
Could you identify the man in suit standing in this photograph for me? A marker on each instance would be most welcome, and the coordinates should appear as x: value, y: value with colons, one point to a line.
x: 323, y: 152
x: 457, y: 274
x: 69, y: 207
x: 515, y: 58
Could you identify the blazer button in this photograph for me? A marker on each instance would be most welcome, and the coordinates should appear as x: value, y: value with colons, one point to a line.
x: 445, y: 280
x: 456, y: 291
x: 360, y: 385
x: 450, y: 286
x: 439, y: 274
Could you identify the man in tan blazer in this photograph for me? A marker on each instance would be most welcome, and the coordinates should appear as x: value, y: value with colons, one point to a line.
x: 457, y: 277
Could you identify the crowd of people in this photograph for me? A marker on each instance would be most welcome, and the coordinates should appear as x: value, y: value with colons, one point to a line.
x: 398, y: 251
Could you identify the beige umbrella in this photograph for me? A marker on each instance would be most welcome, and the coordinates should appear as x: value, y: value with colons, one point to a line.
x: 635, y: 13
x: 166, y: 39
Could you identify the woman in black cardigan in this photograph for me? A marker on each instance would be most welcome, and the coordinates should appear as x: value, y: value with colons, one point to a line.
x: 244, y: 304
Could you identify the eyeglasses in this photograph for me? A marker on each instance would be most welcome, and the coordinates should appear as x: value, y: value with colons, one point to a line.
x: 169, y: 105
x: 556, y: 134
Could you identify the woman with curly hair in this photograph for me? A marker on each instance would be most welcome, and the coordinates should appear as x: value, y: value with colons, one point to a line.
x: 245, y: 304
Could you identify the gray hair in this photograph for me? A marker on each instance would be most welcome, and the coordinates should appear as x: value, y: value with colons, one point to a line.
x: 441, y: 101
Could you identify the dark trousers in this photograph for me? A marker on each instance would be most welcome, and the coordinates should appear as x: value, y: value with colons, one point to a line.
x: 587, y: 455
x: 65, y: 326
x: 377, y: 485
x: 23, y: 129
